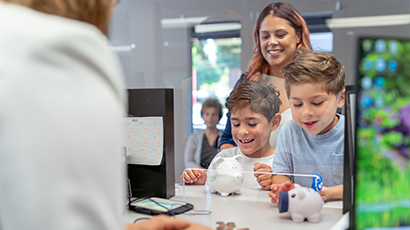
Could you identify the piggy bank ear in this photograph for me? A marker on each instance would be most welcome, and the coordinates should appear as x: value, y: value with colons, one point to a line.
x: 301, y: 193
x: 240, y: 159
x: 217, y: 161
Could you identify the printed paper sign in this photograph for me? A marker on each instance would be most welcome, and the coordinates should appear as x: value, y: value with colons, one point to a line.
x: 144, y: 140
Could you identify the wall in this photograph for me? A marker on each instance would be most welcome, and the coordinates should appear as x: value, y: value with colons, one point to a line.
x: 161, y: 57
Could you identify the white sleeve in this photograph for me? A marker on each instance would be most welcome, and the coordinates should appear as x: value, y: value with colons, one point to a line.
x: 190, y: 151
x: 61, y: 117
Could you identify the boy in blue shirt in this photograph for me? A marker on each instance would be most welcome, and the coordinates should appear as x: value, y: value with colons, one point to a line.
x: 313, y: 142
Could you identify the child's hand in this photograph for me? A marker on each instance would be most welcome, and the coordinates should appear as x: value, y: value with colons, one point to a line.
x: 325, y: 193
x: 264, y: 180
x: 194, y: 176
x: 335, y: 192
x: 277, y: 188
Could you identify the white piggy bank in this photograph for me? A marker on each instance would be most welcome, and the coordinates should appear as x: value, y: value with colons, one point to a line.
x: 300, y: 203
x: 225, y: 175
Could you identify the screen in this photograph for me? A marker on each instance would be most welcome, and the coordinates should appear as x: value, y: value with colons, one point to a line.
x: 349, y: 149
x: 158, y: 204
x: 382, y: 191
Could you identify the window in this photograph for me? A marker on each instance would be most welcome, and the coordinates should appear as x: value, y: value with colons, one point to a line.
x: 216, y: 66
x: 321, y: 38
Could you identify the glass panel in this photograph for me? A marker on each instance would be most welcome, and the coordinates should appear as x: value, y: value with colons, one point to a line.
x: 322, y: 42
x: 216, y: 66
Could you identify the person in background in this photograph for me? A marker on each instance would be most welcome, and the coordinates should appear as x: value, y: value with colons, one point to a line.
x: 279, y: 32
x: 62, y: 109
x: 254, y: 111
x: 313, y: 142
x: 202, y: 146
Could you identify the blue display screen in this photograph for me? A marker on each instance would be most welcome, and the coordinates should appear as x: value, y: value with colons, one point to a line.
x: 158, y: 204
x: 382, y: 191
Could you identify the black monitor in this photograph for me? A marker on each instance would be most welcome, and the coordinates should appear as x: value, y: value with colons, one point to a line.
x: 349, y: 148
x: 154, y: 180
x: 382, y: 175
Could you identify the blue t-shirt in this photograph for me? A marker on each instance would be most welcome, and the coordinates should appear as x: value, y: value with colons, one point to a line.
x: 298, y: 152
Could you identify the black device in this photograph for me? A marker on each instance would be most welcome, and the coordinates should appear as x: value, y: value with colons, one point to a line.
x: 154, y: 180
x: 382, y: 164
x: 156, y: 206
x: 349, y: 148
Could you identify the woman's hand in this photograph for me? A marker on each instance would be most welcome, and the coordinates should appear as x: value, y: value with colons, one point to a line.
x: 163, y: 222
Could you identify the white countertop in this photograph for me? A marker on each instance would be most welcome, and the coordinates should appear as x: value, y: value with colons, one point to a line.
x: 251, y: 209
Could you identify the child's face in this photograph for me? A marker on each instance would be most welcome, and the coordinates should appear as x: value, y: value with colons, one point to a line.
x: 251, y: 132
x: 210, y: 116
x: 313, y: 108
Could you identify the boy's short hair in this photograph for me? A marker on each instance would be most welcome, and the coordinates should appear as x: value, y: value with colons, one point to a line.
x: 212, y: 103
x: 262, y: 98
x: 315, y: 67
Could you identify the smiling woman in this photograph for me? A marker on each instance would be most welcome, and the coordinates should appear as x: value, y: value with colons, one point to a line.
x: 295, y: 25
x: 279, y: 32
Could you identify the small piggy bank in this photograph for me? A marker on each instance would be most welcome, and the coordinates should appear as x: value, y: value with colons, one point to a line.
x: 225, y: 175
x: 300, y: 203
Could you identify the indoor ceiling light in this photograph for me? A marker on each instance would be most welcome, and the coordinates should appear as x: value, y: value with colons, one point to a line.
x: 370, y: 21
x: 217, y: 27
x: 181, y: 22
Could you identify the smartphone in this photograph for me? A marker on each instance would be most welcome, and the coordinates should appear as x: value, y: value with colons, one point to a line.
x: 155, y: 206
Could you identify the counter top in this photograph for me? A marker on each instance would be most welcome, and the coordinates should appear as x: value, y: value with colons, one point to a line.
x: 252, y: 209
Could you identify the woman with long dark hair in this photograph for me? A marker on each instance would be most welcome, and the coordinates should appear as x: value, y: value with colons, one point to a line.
x: 278, y: 33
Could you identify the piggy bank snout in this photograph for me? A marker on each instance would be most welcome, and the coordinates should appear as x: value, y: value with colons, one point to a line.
x: 283, y: 204
x: 238, y: 176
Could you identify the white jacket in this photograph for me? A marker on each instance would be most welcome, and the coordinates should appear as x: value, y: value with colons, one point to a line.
x: 62, y: 103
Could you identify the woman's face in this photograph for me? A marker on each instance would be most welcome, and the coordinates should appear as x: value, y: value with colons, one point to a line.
x: 211, y: 117
x: 278, y: 41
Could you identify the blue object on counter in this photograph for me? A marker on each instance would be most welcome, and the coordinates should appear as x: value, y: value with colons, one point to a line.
x: 317, y: 183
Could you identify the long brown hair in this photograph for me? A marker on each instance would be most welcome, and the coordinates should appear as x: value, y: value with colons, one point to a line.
x: 258, y: 64
x: 96, y: 12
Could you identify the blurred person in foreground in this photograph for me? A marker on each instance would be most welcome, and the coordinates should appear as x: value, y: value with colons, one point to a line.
x: 62, y: 104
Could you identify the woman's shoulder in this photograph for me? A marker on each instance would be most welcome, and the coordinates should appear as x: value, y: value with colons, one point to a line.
x: 287, y: 115
x: 199, y: 133
x: 241, y: 78
x: 196, y: 137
